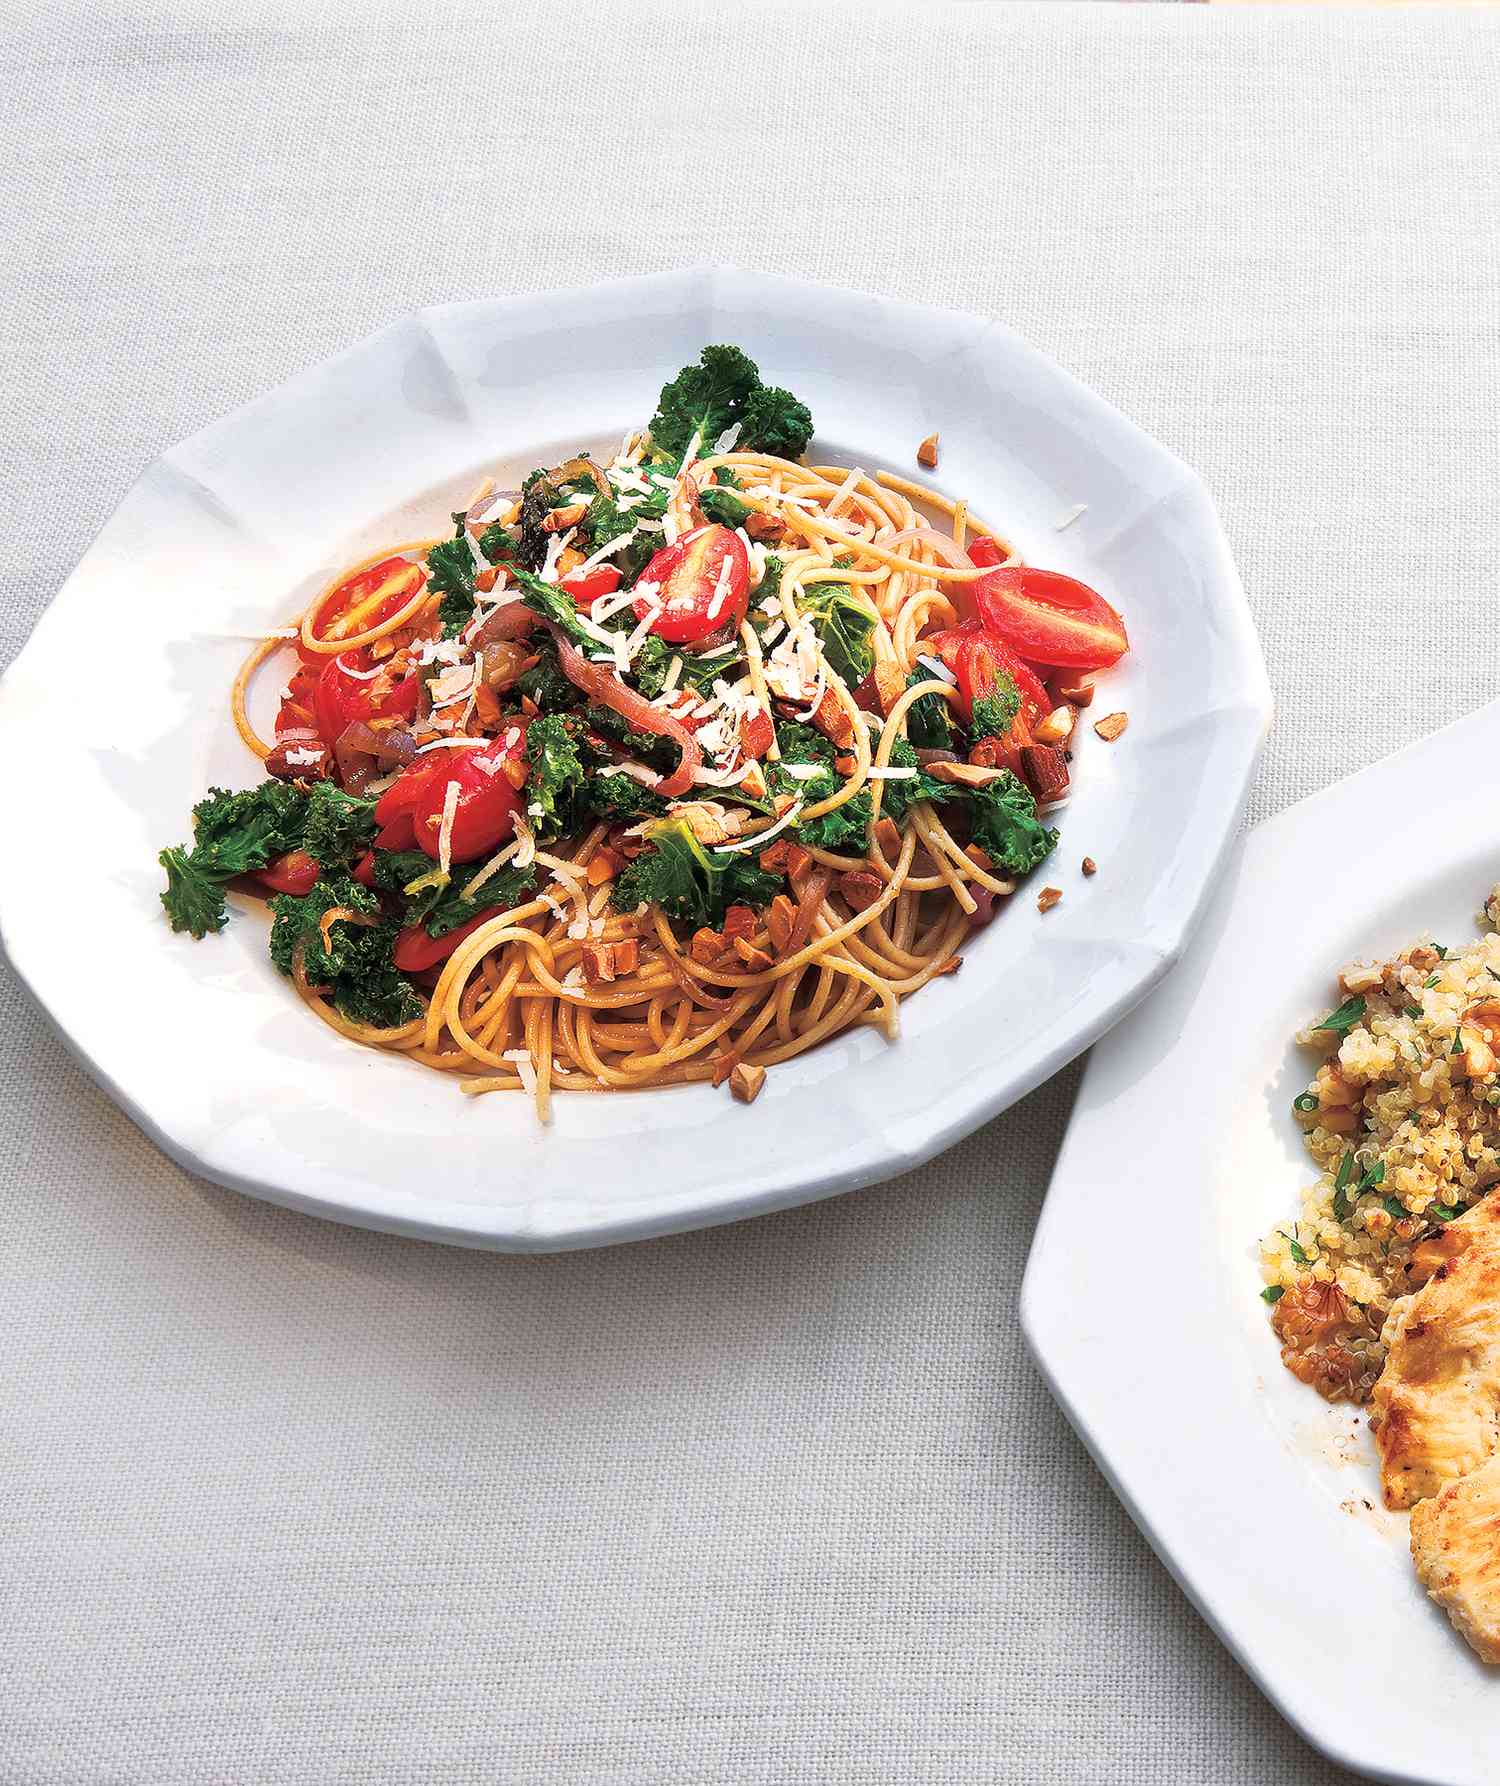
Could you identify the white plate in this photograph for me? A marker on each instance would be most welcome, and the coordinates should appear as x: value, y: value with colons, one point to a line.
x: 1142, y: 1294
x: 210, y: 1050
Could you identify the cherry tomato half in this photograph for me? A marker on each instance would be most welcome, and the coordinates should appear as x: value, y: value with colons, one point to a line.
x: 976, y: 657
x: 411, y: 809
x: 363, y: 601
x: 341, y: 698
x: 1050, y: 619
x: 416, y: 950
x: 983, y: 550
x: 588, y: 587
x: 701, y: 585
x: 293, y: 873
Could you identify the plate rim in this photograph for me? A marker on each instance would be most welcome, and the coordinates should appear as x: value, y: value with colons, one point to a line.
x: 1242, y: 718
x: 1133, y: 1475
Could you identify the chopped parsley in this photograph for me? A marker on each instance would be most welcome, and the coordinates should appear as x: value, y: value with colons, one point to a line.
x: 1342, y: 1205
x: 1305, y: 1101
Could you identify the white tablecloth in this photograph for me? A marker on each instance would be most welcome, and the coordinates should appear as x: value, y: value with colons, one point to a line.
x: 285, y: 1502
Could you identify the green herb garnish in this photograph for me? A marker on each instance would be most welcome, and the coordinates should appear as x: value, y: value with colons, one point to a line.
x: 1345, y: 1017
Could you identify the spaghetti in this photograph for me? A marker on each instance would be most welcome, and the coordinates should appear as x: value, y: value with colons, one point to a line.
x: 656, y: 772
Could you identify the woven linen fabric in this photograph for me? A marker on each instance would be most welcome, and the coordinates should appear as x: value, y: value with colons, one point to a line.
x: 785, y: 1502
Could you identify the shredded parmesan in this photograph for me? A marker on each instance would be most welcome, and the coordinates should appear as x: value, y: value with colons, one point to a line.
x: 525, y: 844
x: 493, y: 866
x: 304, y: 756
x: 445, y: 830
x: 890, y: 773
x: 604, y: 552
x: 725, y: 442
x: 524, y: 1066
x: 669, y: 681
x: 804, y: 771
x: 754, y: 843
x: 939, y: 669
x: 1078, y: 508
x: 452, y: 744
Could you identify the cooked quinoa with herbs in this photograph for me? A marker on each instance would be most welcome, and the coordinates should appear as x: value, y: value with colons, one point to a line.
x: 1402, y: 1118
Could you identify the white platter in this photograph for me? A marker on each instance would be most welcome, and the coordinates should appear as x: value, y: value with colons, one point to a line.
x: 232, y: 531
x: 1141, y: 1299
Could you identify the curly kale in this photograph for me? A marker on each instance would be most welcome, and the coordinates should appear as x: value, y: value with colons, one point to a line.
x: 544, y: 683
x: 233, y: 834
x: 556, y: 774
x: 929, y: 724
x: 899, y: 796
x: 1003, y: 822
x: 338, y: 827
x: 621, y: 799
x: 688, y: 881
x: 450, y: 574
x: 995, y: 713
x: 355, y: 964
x: 724, y: 389
x: 440, y: 905
x: 847, y: 827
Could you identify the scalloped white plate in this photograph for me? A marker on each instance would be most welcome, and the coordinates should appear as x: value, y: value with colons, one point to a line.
x: 1142, y: 1294
x: 209, y: 1050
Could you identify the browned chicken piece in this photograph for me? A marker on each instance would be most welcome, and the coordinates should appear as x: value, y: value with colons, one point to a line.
x: 1436, y: 1406
x: 1455, y: 1545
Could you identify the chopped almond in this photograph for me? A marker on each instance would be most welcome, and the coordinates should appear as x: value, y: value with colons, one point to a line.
x: 861, y: 887
x: 1110, y: 727
x: 514, y: 771
x: 603, y: 866
x: 745, y: 1082
x: 844, y: 765
x: 832, y: 721
x: 706, y: 947
x: 1057, y: 727
x: 765, y: 527
x: 889, y: 838
x: 980, y: 858
x: 724, y: 1065
x: 739, y: 921
x: 890, y: 684
x: 1047, y: 898
x: 487, y: 578
x: 486, y: 707
x: 706, y: 825
x: 1073, y: 689
x: 1090, y: 866
x: 757, y: 960
x: 966, y: 775
x: 560, y: 520
x: 950, y: 966
x: 753, y: 782
x: 927, y: 453
x: 798, y: 862
x: 779, y: 921
x: 568, y: 561
x: 627, y: 954
x: 598, y: 963
x: 773, y: 858
x: 988, y: 753
x: 1046, y: 771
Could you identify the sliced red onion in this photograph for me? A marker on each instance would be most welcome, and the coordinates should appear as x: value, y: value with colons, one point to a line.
x: 602, y: 684
x: 946, y: 548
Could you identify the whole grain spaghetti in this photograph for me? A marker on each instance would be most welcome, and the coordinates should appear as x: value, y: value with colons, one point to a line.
x: 657, y: 770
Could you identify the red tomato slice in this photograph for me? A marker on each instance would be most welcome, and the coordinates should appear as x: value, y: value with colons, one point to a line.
x: 341, y: 698
x: 363, y: 601
x: 363, y: 870
x: 1050, y: 619
x: 487, y: 801
x: 587, y: 587
x: 984, y: 550
x: 415, y: 950
x: 294, y: 873
x: 976, y: 657
x: 700, y: 586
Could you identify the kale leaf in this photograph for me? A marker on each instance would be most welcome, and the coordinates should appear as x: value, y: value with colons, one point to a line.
x: 845, y: 627
x: 450, y: 574
x: 544, y: 683
x: 338, y: 827
x: 356, y: 964
x: 621, y: 799
x: 1003, y: 822
x: 722, y: 389
x: 723, y: 506
x: 557, y: 772
x: 688, y: 882
x: 846, y: 827
x: 438, y: 905
x: 928, y: 724
x: 995, y: 714
x: 233, y: 833
x: 898, y: 797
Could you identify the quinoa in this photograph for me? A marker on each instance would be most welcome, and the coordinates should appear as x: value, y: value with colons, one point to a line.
x: 1402, y: 1119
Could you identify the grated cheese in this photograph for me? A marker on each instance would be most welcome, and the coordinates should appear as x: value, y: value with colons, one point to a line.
x: 669, y: 681
x: 939, y: 669
x: 493, y: 866
x: 452, y: 744
x: 1078, y: 508
x: 891, y: 772
x: 754, y: 843
x: 721, y: 589
x: 604, y: 552
x: 445, y: 830
x: 525, y: 1067
x: 725, y: 442
x: 304, y: 756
